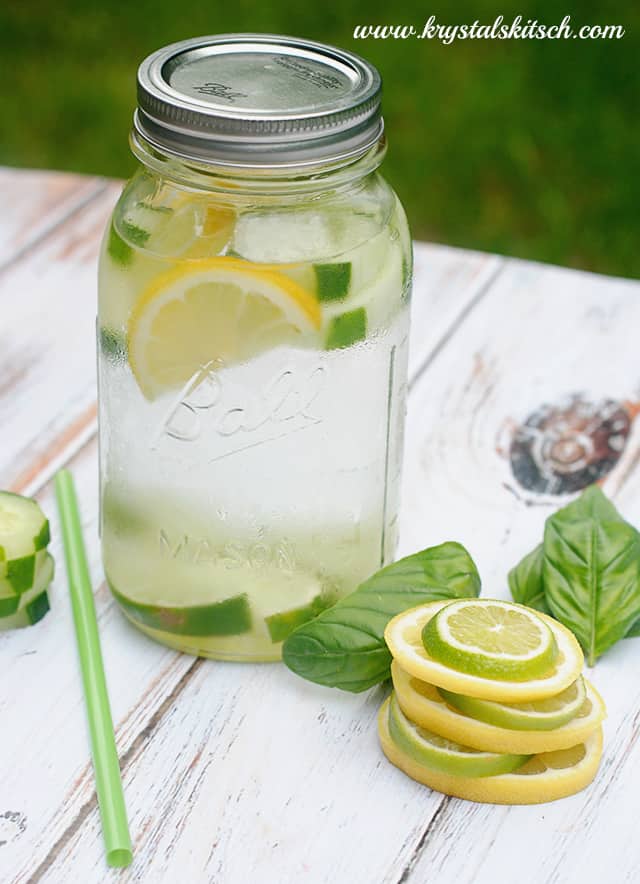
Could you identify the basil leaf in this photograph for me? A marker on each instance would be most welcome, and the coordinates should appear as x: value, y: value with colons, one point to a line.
x: 634, y: 631
x: 593, y: 503
x: 344, y: 646
x: 591, y: 576
x: 525, y: 581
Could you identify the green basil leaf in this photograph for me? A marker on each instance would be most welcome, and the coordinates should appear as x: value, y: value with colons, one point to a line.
x: 344, y: 646
x: 525, y: 581
x: 634, y: 630
x: 591, y: 576
x: 593, y: 503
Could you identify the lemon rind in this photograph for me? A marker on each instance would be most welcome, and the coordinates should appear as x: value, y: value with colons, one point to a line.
x: 511, y: 788
x: 453, y: 725
x: 416, y: 661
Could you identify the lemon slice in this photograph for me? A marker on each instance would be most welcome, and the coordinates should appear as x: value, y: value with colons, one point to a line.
x: 490, y: 638
x: 404, y: 638
x: 544, y: 777
x: 448, y: 756
x: 424, y: 705
x: 202, y: 315
x: 538, y: 715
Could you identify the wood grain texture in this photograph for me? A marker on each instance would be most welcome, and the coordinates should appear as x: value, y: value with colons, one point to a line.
x: 237, y: 773
x: 35, y: 203
x: 47, y: 344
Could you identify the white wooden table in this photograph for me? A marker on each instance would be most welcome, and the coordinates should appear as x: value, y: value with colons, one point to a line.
x: 237, y: 773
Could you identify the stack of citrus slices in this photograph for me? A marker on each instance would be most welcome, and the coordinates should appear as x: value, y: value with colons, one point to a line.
x: 489, y: 703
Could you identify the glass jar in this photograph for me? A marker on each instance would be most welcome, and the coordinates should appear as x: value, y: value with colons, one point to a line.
x: 252, y: 331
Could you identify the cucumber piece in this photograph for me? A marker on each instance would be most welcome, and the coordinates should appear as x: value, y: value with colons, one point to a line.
x: 332, y: 281
x: 281, y: 625
x: 347, y: 329
x: 9, y: 605
x: 24, y: 530
x: 18, y: 576
x: 118, y: 248
x: 113, y: 344
x: 229, y: 617
x: 37, y: 609
x: 33, y: 605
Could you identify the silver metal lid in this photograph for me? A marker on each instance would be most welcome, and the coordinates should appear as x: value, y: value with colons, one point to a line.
x: 258, y: 100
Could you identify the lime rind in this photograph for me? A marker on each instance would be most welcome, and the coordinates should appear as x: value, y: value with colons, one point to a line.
x: 491, y: 639
x: 539, y: 715
x: 403, y: 637
x: 445, y: 755
x: 544, y: 777
x: 423, y: 704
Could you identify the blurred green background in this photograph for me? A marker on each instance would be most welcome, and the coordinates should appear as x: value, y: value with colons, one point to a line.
x: 526, y: 148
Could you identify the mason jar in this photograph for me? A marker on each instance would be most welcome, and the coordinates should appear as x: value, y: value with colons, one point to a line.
x: 254, y: 290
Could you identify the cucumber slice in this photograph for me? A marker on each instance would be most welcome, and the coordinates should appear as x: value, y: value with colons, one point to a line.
x: 18, y: 576
x: 24, y: 530
x: 9, y: 605
x: 118, y: 248
x: 33, y: 605
x: 229, y: 617
x: 113, y: 344
x: 332, y: 281
x: 347, y: 329
x: 281, y: 625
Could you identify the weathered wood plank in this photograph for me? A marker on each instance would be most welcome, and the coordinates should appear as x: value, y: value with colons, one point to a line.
x: 47, y: 345
x: 254, y: 775
x: 447, y: 283
x: 35, y: 203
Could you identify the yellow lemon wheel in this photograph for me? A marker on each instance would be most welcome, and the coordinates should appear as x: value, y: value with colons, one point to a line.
x: 424, y: 705
x: 211, y: 313
x: 544, y: 777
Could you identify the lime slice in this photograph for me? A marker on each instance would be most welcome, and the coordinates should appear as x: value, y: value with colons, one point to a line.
x: 206, y: 314
x: 491, y: 638
x: 404, y: 638
x: 445, y: 755
x: 231, y: 616
x: 423, y: 704
x: 544, y: 777
x: 537, y: 715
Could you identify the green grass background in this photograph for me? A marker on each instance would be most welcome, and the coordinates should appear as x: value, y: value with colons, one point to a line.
x: 526, y: 148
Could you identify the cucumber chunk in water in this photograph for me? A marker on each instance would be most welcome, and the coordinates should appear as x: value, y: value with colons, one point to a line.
x: 332, y: 281
x: 231, y: 616
x: 281, y: 625
x: 33, y: 605
x: 118, y: 248
x: 24, y: 530
x: 347, y: 329
x: 113, y: 344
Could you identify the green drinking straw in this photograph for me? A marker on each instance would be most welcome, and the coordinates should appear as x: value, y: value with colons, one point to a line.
x: 103, y: 745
